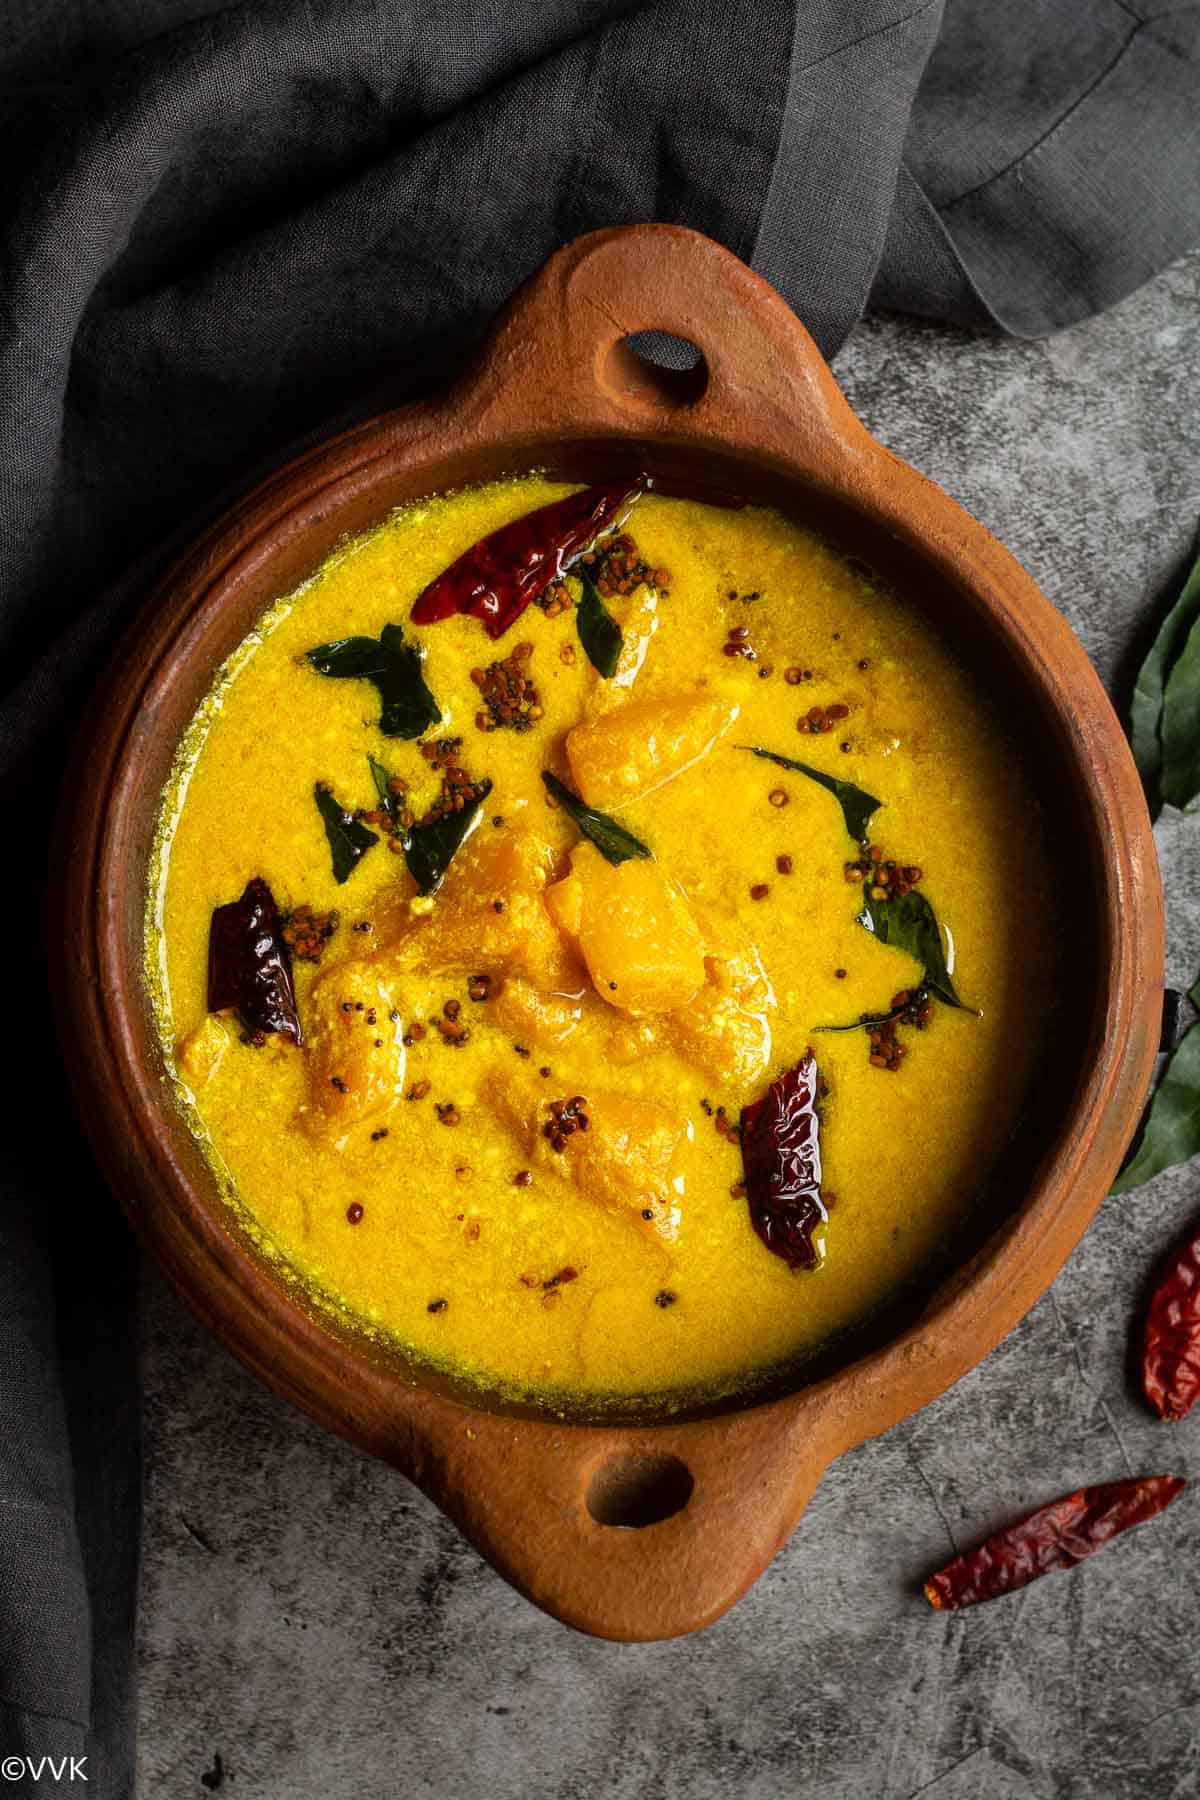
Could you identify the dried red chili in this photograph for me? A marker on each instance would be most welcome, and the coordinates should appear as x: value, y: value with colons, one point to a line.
x: 250, y: 965
x: 781, y: 1156
x: 1171, y: 1353
x: 1055, y: 1537
x: 497, y: 578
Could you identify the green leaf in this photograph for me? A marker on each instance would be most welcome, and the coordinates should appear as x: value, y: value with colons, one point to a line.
x: 429, y: 849
x: 1146, y: 708
x: 868, y: 1019
x: 1180, y: 730
x: 389, y: 803
x: 1170, y: 1131
x: 349, y: 839
x: 615, y: 844
x: 909, y: 923
x: 599, y: 632
x: 395, y: 668
x: 857, y: 805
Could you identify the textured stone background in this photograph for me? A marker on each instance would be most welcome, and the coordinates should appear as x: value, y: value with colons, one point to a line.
x: 308, y: 1616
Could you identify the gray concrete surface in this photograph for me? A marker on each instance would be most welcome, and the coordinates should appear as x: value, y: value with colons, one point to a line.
x: 311, y: 1620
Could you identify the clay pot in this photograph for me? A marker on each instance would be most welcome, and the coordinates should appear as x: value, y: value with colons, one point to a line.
x: 640, y: 1529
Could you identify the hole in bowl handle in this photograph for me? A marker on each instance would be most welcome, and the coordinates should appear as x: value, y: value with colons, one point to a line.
x: 559, y: 357
x: 629, y: 1533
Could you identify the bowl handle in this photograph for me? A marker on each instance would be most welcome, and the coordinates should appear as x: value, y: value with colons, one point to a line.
x: 558, y: 359
x: 626, y: 1532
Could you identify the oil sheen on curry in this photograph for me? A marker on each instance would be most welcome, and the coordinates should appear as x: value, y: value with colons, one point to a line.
x: 584, y: 943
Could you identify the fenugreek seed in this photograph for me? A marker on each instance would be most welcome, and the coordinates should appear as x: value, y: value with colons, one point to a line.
x: 793, y: 676
x: 778, y: 796
x: 784, y: 864
x: 759, y: 891
x: 837, y: 711
x: 740, y: 632
x: 523, y: 1178
x: 419, y: 1089
x: 437, y: 1306
x: 566, y: 654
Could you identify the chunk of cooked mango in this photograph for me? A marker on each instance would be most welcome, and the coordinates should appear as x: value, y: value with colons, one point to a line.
x: 634, y: 749
x: 356, y: 1055
x: 619, y: 1153
x: 626, y: 1159
x: 201, y: 1052
x: 636, y: 933
x: 530, y: 1016
x: 718, y: 1034
x: 489, y: 915
x: 564, y: 903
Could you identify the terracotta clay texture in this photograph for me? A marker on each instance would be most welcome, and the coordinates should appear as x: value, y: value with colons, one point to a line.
x: 649, y: 1528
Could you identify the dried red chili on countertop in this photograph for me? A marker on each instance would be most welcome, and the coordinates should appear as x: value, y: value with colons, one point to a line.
x: 781, y: 1156
x: 497, y: 578
x: 250, y: 965
x: 1171, y: 1352
x: 1055, y: 1537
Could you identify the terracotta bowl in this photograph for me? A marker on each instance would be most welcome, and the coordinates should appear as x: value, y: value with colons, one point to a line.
x: 643, y: 1527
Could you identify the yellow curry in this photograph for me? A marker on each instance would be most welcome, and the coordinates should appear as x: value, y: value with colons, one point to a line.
x: 557, y: 892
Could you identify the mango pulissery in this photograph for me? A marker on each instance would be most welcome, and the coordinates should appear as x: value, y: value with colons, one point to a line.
x: 549, y: 926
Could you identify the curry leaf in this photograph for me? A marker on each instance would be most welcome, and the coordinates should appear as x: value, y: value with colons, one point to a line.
x: 395, y: 668
x: 1170, y: 1131
x: 615, y: 844
x: 865, y: 1022
x: 1147, y: 718
x: 389, y: 803
x: 857, y: 805
x: 1180, y: 731
x: 908, y: 923
x: 349, y: 839
x: 599, y: 632
x: 430, y: 848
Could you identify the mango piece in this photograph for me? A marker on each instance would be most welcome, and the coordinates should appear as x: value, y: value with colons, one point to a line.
x: 532, y: 1017
x: 724, y: 1038
x: 636, y: 748
x: 489, y: 916
x: 626, y: 1158
x: 637, y: 936
x: 355, y: 1051
x: 564, y: 903
x: 633, y: 1038
x: 200, y: 1053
